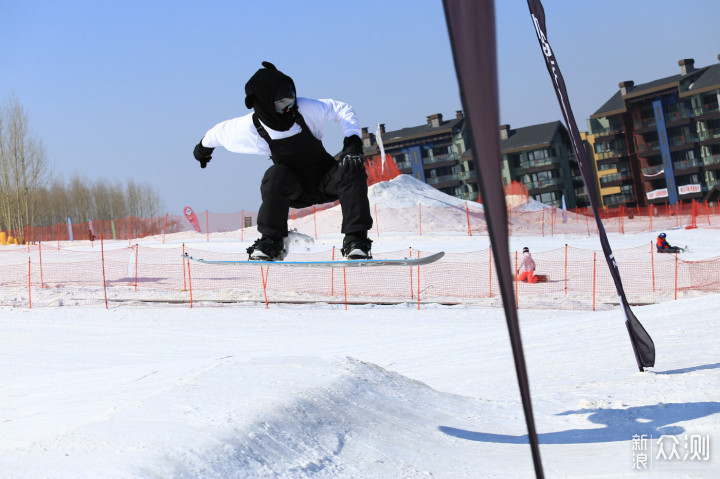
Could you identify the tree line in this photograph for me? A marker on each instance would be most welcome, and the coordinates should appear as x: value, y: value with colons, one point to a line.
x: 30, y: 195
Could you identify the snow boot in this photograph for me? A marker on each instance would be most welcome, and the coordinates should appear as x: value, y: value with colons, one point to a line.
x: 356, y: 246
x: 266, y: 249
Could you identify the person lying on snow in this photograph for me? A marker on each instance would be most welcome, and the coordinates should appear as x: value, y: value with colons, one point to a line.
x: 526, y: 268
x: 664, y: 247
x: 289, y: 129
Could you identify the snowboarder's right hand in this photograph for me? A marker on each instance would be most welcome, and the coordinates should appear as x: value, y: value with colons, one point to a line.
x: 203, y: 154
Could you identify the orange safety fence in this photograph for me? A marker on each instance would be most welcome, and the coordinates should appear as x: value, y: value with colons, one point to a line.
x: 527, y: 219
x: 577, y: 278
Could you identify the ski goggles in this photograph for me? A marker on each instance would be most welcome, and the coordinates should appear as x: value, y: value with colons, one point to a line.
x: 285, y: 103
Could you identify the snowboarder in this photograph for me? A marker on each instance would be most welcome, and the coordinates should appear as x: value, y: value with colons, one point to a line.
x: 526, y: 268
x: 289, y: 129
x: 664, y: 247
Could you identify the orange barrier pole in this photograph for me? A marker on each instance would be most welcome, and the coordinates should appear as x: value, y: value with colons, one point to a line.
x: 676, y: 274
x: 137, y: 253
x: 165, y: 227
x: 264, y: 277
x: 29, y: 289
x: 183, y: 263
x: 566, y: 269
x: 40, y: 253
x: 594, y: 277
x: 190, y: 281
x: 467, y: 213
x: 102, y: 258
x: 652, y: 264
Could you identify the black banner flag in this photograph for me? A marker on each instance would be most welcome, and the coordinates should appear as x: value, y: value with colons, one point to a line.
x: 471, y: 24
x: 642, y: 343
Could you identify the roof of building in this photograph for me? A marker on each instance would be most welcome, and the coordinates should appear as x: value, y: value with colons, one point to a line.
x: 705, y: 78
x: 421, y: 131
x: 530, y: 136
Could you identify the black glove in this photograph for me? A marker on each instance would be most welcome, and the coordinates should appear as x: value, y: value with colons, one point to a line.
x: 352, y: 161
x: 352, y: 145
x: 203, y: 154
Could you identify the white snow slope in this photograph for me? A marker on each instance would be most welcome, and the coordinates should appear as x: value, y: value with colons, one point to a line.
x: 315, y: 391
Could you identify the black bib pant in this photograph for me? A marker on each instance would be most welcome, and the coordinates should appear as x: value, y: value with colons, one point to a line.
x: 304, y: 174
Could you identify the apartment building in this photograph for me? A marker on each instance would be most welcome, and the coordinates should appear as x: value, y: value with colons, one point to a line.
x: 659, y: 142
x: 541, y: 158
x: 434, y: 153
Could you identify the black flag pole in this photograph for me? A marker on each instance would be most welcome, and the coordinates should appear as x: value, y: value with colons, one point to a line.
x: 471, y: 25
x: 642, y: 343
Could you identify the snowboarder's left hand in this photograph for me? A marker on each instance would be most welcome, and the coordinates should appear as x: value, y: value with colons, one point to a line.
x: 203, y: 154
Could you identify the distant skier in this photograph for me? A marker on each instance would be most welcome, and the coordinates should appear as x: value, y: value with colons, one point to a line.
x: 526, y: 268
x: 664, y: 247
x: 289, y: 129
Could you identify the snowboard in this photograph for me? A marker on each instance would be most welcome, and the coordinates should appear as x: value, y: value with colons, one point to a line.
x: 344, y: 263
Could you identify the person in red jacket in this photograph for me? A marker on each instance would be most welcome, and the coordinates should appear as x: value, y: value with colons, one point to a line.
x: 526, y: 268
x: 664, y: 247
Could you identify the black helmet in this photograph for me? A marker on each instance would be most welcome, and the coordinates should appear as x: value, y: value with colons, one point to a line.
x: 526, y: 250
x: 267, y: 87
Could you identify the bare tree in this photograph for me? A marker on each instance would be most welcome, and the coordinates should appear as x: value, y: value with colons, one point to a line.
x: 23, y: 168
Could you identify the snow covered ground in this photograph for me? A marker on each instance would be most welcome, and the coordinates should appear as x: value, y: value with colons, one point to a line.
x: 315, y: 391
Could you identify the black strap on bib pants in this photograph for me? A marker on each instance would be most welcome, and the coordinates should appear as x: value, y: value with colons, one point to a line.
x: 304, y: 174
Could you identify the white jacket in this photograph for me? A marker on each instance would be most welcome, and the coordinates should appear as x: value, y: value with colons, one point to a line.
x: 527, y: 263
x: 239, y: 135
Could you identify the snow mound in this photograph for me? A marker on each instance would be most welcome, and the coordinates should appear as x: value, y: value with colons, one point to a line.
x: 405, y: 191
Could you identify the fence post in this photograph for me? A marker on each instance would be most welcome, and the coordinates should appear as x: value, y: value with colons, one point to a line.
x: 467, y: 213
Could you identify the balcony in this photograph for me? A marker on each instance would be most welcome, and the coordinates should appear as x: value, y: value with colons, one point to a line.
x: 434, y: 181
x: 609, y: 131
x: 468, y: 196
x: 430, y: 160
x: 680, y: 140
x: 710, y: 136
x: 678, y: 113
x: 706, y: 110
x: 615, y: 179
x: 618, y: 199
x: 467, y: 175
x: 711, y: 162
x: 404, y: 165
x: 538, y: 163
x: 609, y: 155
x: 653, y: 170
x: 550, y: 184
x: 644, y: 123
x: 685, y: 164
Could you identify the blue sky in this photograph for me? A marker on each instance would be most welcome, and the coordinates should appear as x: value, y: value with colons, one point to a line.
x: 121, y: 90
